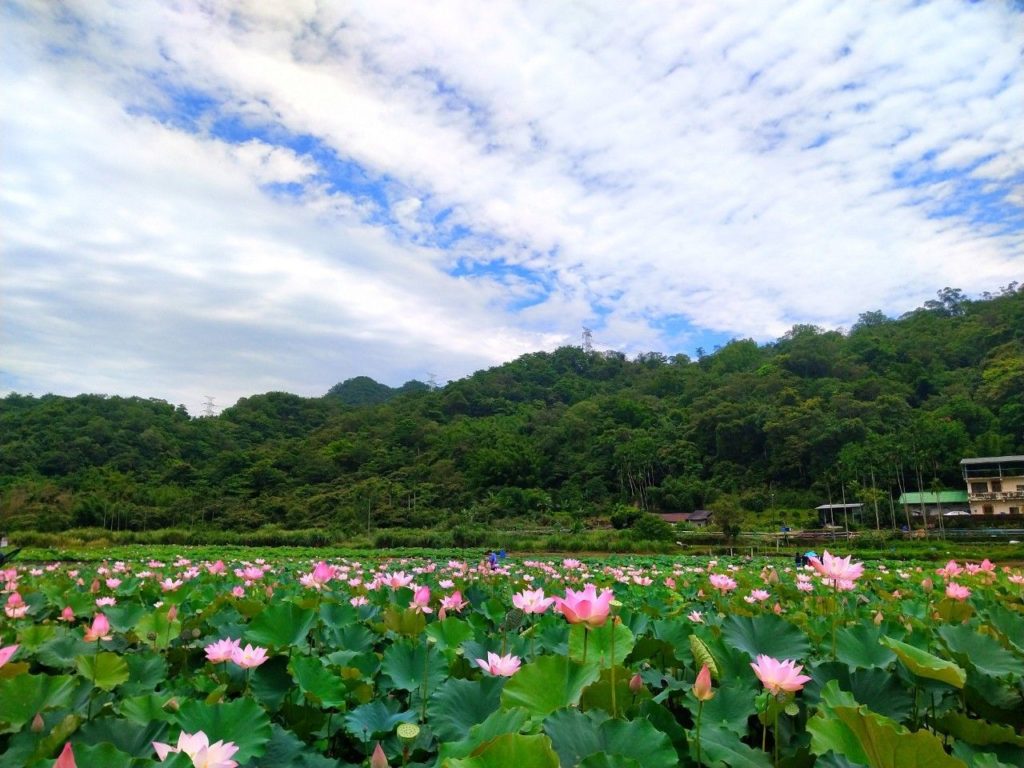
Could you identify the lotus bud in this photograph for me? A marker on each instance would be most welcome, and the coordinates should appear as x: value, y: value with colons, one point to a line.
x: 927, y: 585
x: 67, y: 614
x: 37, y: 723
x: 172, y: 613
x: 702, y: 689
x: 636, y: 684
x: 777, y: 609
x: 95, y: 586
x: 171, y: 705
x: 878, y: 618
x: 378, y: 759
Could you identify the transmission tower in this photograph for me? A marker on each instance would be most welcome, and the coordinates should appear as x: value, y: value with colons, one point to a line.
x: 208, y: 405
x: 588, y: 340
x: 432, y: 380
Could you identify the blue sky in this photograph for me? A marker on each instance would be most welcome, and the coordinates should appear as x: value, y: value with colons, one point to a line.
x: 256, y: 196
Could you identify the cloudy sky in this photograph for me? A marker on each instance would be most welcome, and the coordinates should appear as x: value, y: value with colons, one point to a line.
x: 217, y: 198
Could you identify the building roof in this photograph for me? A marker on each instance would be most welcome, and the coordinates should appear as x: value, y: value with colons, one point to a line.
x: 930, y: 497
x: 697, y: 516
x: 992, y: 459
x: 839, y: 506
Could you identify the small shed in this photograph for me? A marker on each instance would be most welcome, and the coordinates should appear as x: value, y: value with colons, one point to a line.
x: 838, y: 514
x: 699, y: 517
x: 935, y: 503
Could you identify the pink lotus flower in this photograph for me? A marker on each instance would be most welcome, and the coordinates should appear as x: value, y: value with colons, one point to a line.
x: 421, y: 600
x: 319, y: 577
x: 102, y: 602
x: 222, y: 650
x: 113, y: 583
x: 452, y: 602
x: 67, y: 614
x: 957, y: 591
x: 532, y: 601
x: 359, y: 600
x: 16, y: 607
x: 249, y: 657
x: 170, y: 585
x: 100, y: 629
x: 696, y: 617
x: 202, y: 753
x: 503, y: 666
x: 779, y: 676
x: 950, y: 570
x: 396, y: 580
x: 378, y: 759
x: 215, y: 569
x: 722, y: 582
x: 7, y: 653
x: 66, y: 758
x: 837, y: 571
x: 702, y: 687
x: 585, y: 607
x: 238, y: 591
x: 757, y: 596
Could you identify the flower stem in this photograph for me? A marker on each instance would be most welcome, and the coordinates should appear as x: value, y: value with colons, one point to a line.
x: 700, y: 711
x: 775, y: 733
x: 586, y: 635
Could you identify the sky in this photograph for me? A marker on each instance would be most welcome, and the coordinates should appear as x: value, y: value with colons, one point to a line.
x: 219, y: 199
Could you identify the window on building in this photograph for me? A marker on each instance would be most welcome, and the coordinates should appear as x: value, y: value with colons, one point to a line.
x: 997, y: 486
x: 987, y: 509
x: 1014, y: 510
x: 979, y: 487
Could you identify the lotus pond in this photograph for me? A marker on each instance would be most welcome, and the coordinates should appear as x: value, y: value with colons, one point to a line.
x: 651, y: 664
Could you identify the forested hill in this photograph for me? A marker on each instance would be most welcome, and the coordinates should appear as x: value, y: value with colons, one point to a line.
x: 548, y: 436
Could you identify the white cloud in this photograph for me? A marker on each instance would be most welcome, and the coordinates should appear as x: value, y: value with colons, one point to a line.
x: 732, y: 164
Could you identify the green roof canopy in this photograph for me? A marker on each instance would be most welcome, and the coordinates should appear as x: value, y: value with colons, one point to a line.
x: 930, y: 497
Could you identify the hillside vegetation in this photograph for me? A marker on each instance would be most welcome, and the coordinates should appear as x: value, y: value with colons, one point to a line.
x: 893, y: 404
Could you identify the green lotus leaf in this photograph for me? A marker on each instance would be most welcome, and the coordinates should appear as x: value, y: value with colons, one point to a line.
x: 765, y: 634
x: 457, y: 705
x: 124, y: 616
x: 157, y: 629
x: 146, y: 672
x: 376, y: 718
x: 281, y: 625
x: 408, y: 623
x: 23, y: 696
x: 981, y: 652
x: 598, y: 695
x: 510, y: 749
x: 338, y: 615
x: 406, y: 664
x: 34, y: 635
x: 858, y: 646
x: 720, y: 746
x: 926, y: 665
x: 450, y: 633
x: 609, y: 761
x: 1009, y: 625
x: 599, y: 643
x: 61, y: 651
x: 104, y: 670
x: 271, y: 682
x: 574, y: 734
x: 499, y: 722
x: 318, y: 683
x: 242, y: 721
x: 979, y: 732
x: 732, y: 705
x: 145, y: 709
x: 105, y: 754
x: 130, y: 737
x: 547, y: 684
x: 855, y: 732
x: 282, y: 749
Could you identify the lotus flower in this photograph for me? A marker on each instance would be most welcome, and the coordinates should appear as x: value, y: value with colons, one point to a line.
x: 585, y: 607
x: 532, y: 601
x: 100, y: 629
x: 702, y: 689
x: 249, y: 657
x: 779, y: 676
x: 222, y: 650
x: 421, y: 600
x: 722, y: 582
x: 837, y: 570
x: 16, y: 607
x: 66, y: 758
x: 7, y: 653
x: 502, y: 666
x: 202, y: 753
x: 957, y: 591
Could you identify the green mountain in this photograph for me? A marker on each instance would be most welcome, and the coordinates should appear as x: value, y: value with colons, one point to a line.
x: 892, y: 405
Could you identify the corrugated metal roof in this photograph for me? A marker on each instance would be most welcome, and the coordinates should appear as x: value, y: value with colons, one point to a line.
x: 930, y: 497
x: 992, y: 459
